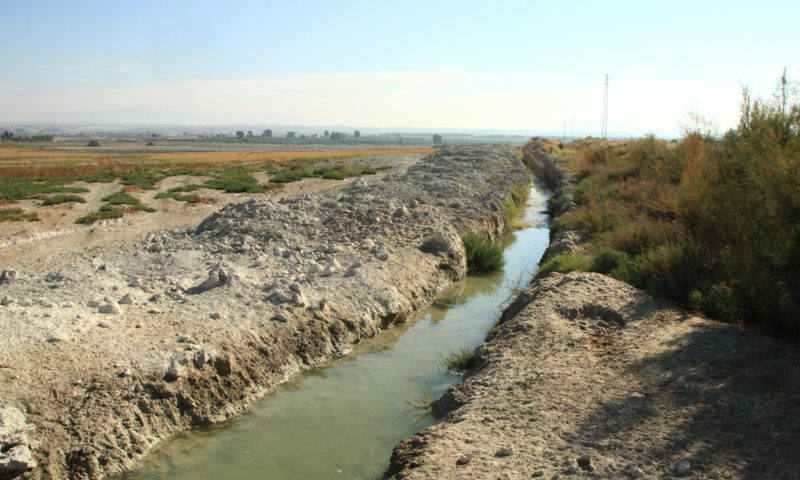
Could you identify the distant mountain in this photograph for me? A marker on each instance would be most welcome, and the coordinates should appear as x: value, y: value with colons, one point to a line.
x: 127, y: 116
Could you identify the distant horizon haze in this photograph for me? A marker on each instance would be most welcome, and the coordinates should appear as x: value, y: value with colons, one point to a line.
x: 505, y: 66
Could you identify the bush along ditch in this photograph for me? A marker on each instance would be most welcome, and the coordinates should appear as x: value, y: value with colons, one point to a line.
x: 709, y: 221
x: 483, y: 255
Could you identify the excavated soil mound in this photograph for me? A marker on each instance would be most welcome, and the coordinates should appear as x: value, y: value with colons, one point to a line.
x: 106, y: 356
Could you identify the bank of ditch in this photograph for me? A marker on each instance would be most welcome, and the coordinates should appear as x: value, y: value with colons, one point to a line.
x: 107, y: 356
x: 588, y: 377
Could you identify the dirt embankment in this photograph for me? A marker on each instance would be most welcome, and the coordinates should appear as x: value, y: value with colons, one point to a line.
x: 107, y: 355
x: 591, y: 378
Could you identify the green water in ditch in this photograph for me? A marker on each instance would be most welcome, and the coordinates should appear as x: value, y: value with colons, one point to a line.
x: 342, y: 420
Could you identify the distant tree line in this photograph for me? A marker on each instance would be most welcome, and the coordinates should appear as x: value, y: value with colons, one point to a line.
x: 25, y: 138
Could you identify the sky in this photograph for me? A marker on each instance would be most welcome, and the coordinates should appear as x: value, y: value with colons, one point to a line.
x: 521, y: 66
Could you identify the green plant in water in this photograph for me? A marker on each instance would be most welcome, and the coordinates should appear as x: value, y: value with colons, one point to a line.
x: 483, y: 255
x: 459, y: 360
x: 424, y: 401
x: 451, y: 299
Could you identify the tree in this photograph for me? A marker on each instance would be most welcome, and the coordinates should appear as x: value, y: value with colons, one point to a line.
x: 93, y: 143
x: 249, y: 134
x: 289, y: 134
x: 327, y: 133
x: 7, y: 135
x: 357, y: 134
x: 239, y: 134
x: 267, y: 133
x: 437, y: 139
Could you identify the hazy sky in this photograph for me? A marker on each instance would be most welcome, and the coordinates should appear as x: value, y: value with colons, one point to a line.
x: 496, y: 65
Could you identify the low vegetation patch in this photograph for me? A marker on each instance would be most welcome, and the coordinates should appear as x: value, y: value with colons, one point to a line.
x: 104, y: 213
x: 450, y: 299
x: 515, y: 205
x: 16, y: 214
x: 459, y: 360
x: 483, y: 255
x: 710, y: 221
x: 60, y: 198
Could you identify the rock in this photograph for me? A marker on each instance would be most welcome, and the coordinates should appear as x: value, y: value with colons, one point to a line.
x: 155, y: 311
x: 17, y: 459
x: 634, y: 472
x: 682, y: 467
x: 381, y: 253
x: 8, y: 276
x: 280, y: 317
x: 186, y: 338
x: 68, y: 305
x: 585, y: 462
x: 573, y: 467
x: 216, y: 316
x: 126, y: 373
x: 92, y: 304
x: 6, y: 301
x: 464, y: 459
x: 315, y: 268
x: 111, y: 308
x: 103, y: 324
x: 504, y: 451
x: 212, y: 281
x: 14, y: 429
x: 203, y: 356
x: 126, y: 300
x: 714, y: 474
x: 175, y: 371
x: 299, y: 300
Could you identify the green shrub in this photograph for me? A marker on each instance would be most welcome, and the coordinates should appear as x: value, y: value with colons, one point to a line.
x: 121, y: 198
x: 566, y: 262
x: 483, y: 255
x: 286, y: 176
x: 60, y: 198
x: 16, y: 214
x: 143, y: 180
x: 105, y: 212
x: 243, y: 183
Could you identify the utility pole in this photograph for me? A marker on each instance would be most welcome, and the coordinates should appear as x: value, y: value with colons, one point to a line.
x: 604, y: 130
x: 564, y: 138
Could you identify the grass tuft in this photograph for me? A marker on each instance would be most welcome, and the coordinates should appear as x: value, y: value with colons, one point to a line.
x: 483, y: 255
x: 459, y: 360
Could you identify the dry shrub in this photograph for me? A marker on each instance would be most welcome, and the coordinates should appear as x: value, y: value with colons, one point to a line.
x: 200, y: 200
x: 132, y: 189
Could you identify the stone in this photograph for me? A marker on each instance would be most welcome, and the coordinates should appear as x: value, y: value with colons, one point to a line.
x: 573, y: 467
x: 186, y: 338
x: 315, y: 268
x: 585, y: 462
x: 103, y: 324
x: 17, y: 459
x: 464, y: 459
x: 505, y: 451
x: 682, y: 468
x: 9, y: 276
x: 634, y: 472
x: 299, y: 300
x: 216, y: 316
x: 155, y: 311
x: 381, y: 253
x: 6, y: 301
x: 126, y: 300
x: 92, y: 304
x: 203, y: 356
x: 111, y: 308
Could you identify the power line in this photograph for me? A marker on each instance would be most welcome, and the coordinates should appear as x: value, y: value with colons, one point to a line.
x: 604, y: 130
